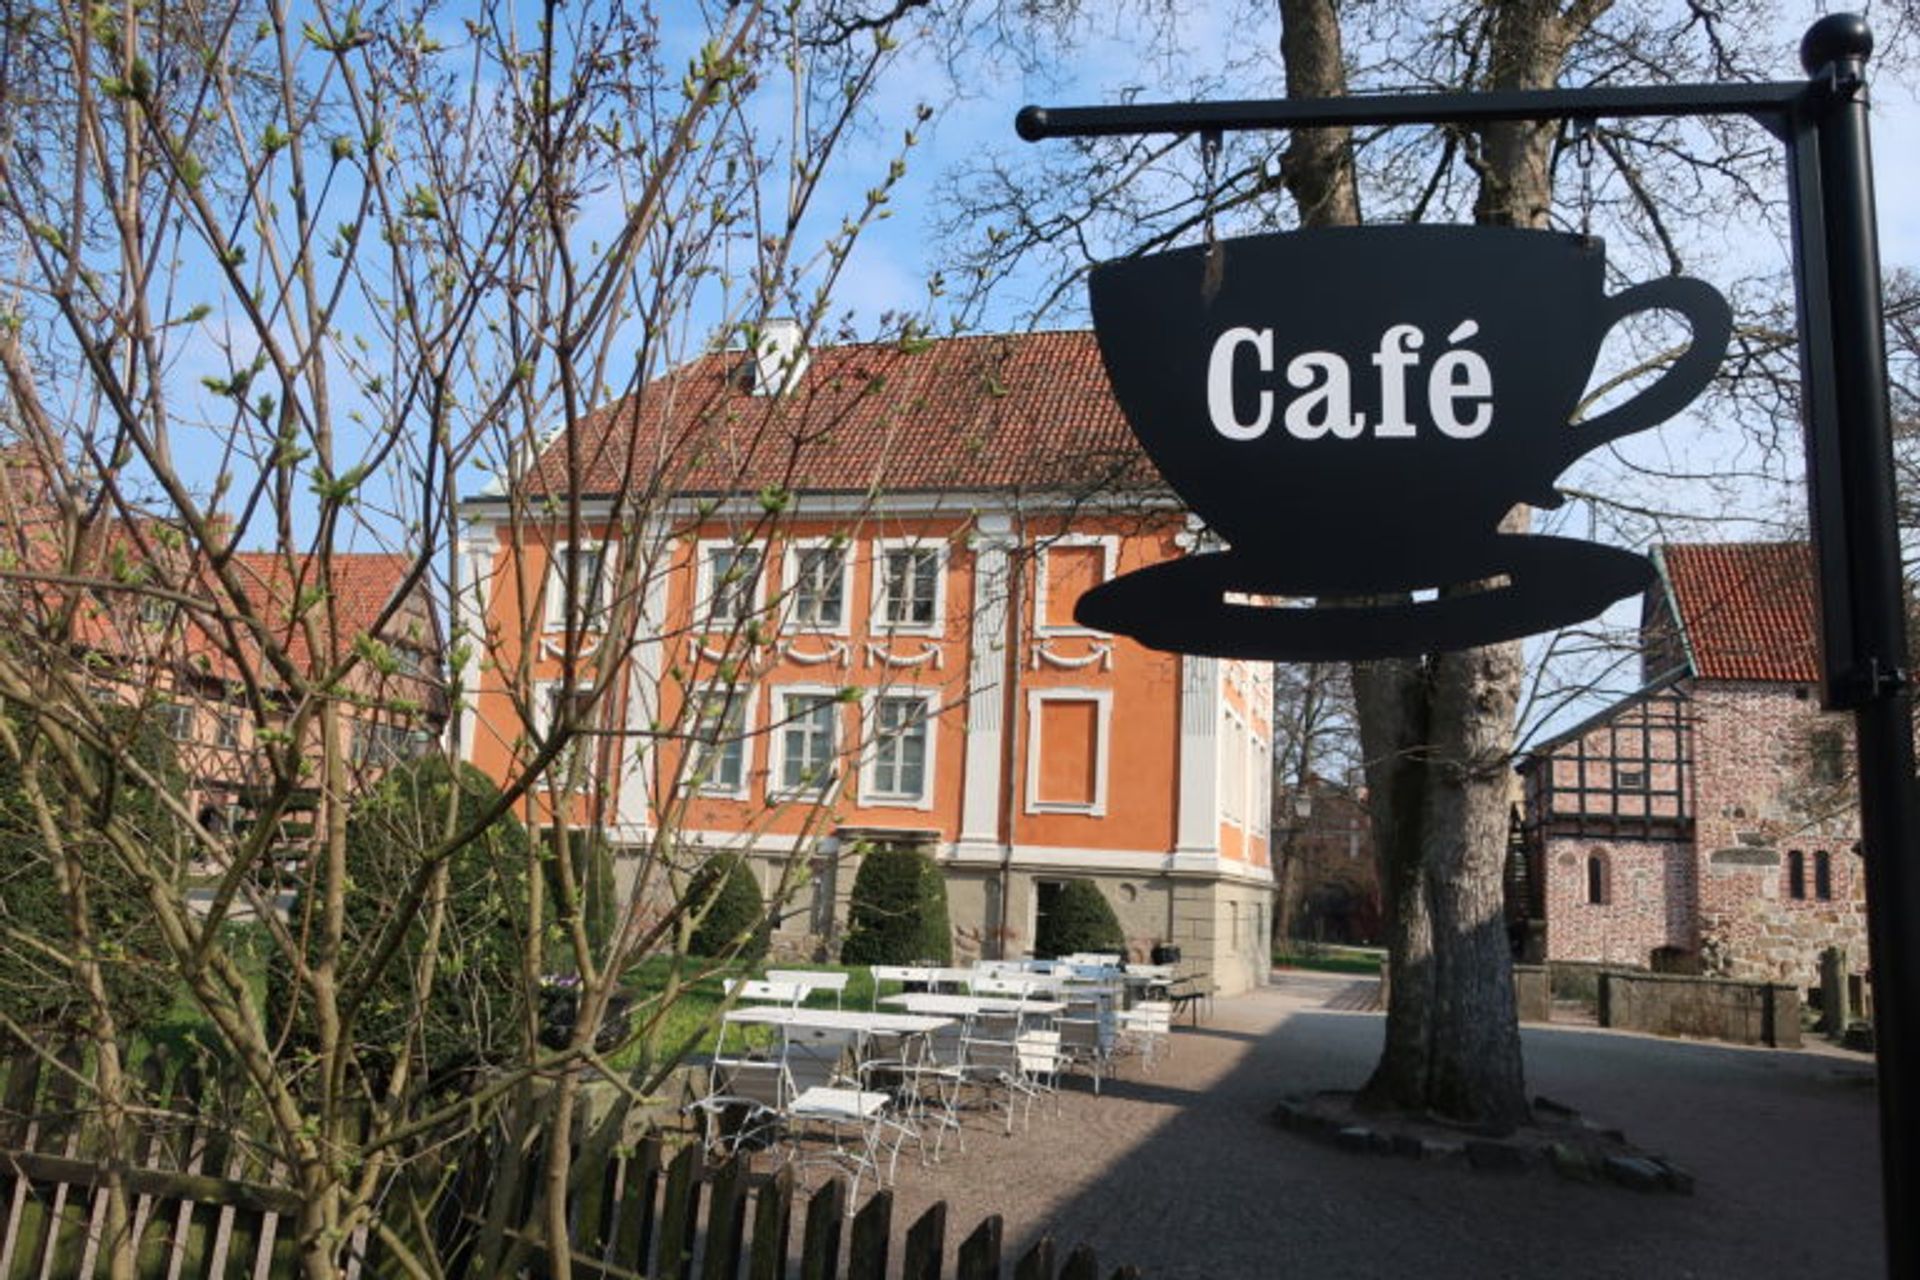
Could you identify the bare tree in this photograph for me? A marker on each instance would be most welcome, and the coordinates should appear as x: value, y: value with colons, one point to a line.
x: 1438, y: 732
x: 279, y: 285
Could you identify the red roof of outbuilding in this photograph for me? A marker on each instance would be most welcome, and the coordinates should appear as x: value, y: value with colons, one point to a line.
x: 1029, y: 411
x: 1747, y: 609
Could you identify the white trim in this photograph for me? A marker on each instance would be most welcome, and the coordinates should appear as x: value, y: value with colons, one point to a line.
x: 961, y: 504
x: 778, y: 724
x: 877, y: 621
x: 790, y: 587
x: 703, y: 588
x: 475, y: 561
x: 1103, y: 731
x: 584, y: 739
x: 634, y: 808
x: 1109, y: 545
x: 746, y: 694
x: 982, y: 775
x: 870, y: 796
x: 554, y: 615
x: 1198, y: 824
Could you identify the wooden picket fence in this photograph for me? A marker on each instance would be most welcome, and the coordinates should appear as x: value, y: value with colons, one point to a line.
x: 207, y: 1206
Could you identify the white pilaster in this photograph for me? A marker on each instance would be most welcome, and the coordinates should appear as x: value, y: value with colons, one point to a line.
x: 1200, y: 696
x: 984, y: 777
x: 475, y: 567
x: 633, y: 804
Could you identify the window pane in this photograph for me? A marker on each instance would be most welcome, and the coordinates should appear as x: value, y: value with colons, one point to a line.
x: 912, y: 580
x: 720, y: 734
x: 734, y: 572
x: 900, y: 754
x: 818, y: 587
x: 807, y: 749
x: 579, y: 588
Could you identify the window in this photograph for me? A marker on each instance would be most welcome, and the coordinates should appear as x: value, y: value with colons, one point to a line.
x: 907, y: 582
x: 1823, y: 875
x: 729, y: 583
x: 1796, y: 874
x: 156, y: 614
x: 1067, y: 733
x: 806, y: 741
x: 1630, y: 778
x: 385, y: 745
x: 176, y: 720
x: 720, y: 742
x: 1069, y: 568
x: 226, y: 730
x: 579, y: 585
x: 817, y: 577
x: 562, y: 710
x: 1596, y: 879
x: 899, y: 770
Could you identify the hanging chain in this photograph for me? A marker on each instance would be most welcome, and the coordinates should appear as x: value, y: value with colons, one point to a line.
x: 1580, y: 133
x: 1210, y: 178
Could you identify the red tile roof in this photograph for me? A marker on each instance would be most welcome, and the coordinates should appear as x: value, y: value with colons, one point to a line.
x: 1030, y: 411
x: 363, y: 585
x: 1747, y: 609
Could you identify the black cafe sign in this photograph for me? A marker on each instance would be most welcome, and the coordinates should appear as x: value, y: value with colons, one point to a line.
x: 1354, y: 410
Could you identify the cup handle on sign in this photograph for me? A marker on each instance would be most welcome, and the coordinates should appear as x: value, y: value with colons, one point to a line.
x: 1711, y: 320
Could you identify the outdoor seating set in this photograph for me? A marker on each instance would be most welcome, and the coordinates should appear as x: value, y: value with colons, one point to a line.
x: 850, y: 1089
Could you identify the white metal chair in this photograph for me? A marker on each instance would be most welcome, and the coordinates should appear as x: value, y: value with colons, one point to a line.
x: 745, y: 1104
x: 1084, y: 1043
x: 1041, y: 1059
x: 1147, y: 1029
x: 990, y: 1065
x: 760, y: 991
x: 812, y: 980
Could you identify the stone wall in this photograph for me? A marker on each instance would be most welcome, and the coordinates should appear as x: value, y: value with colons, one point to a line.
x: 1774, y: 777
x: 1647, y: 899
x: 1712, y: 1008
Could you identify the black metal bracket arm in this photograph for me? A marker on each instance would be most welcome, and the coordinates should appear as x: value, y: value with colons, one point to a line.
x: 1822, y: 124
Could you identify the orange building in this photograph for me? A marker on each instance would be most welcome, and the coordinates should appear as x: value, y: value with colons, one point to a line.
x: 805, y: 603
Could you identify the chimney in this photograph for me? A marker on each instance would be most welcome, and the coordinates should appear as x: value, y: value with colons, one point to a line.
x: 778, y: 359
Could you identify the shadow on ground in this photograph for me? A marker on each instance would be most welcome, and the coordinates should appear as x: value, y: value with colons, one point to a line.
x: 1180, y: 1173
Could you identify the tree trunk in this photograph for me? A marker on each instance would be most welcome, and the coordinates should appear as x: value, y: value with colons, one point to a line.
x: 1438, y: 733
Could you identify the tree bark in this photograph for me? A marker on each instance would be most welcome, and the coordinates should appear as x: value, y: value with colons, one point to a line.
x: 1437, y: 733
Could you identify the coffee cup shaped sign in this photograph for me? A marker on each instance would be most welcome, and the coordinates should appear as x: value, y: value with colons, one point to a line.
x: 1355, y: 409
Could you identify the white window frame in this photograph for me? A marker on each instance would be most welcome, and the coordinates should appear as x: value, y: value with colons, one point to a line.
x: 1103, y: 753
x: 593, y: 620
x: 882, y: 548
x: 544, y: 692
x: 1110, y: 548
x: 1235, y: 772
x: 870, y: 793
x: 744, y: 695
x: 779, y: 724
x: 179, y: 720
x: 705, y: 586
x: 790, y: 579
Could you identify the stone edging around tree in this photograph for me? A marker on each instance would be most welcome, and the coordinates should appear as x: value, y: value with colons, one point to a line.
x: 1559, y: 1139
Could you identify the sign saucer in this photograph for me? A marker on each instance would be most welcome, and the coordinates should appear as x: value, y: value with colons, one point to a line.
x: 1182, y: 606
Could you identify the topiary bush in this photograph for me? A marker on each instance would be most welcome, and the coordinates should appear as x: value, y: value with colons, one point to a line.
x: 476, y: 1011
x: 38, y: 991
x: 899, y: 911
x: 724, y: 902
x: 1081, y: 920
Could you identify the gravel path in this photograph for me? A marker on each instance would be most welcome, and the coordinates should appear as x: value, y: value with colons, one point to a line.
x: 1181, y: 1174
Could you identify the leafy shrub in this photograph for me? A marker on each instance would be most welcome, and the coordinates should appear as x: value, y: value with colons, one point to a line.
x: 475, y: 1012
x: 1081, y: 920
x: 37, y: 990
x: 899, y: 911
x: 724, y: 902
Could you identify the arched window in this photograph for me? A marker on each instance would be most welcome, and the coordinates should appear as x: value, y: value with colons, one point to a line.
x: 1596, y: 879
x: 1796, y: 874
x: 1822, y: 875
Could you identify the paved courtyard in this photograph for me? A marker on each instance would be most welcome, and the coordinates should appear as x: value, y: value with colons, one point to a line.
x: 1180, y: 1173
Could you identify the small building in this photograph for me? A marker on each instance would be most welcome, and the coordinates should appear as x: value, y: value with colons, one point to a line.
x: 853, y: 570
x: 1707, y: 823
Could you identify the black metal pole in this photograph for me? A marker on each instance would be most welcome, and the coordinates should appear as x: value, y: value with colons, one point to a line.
x: 1873, y: 677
